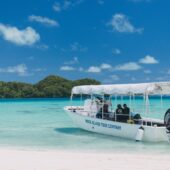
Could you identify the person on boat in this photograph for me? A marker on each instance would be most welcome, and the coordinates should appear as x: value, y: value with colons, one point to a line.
x: 99, y: 99
x: 137, y: 118
x: 126, y: 112
x: 119, y: 113
x: 103, y: 111
x: 106, y: 108
x: 126, y: 109
x: 119, y: 109
x: 100, y: 109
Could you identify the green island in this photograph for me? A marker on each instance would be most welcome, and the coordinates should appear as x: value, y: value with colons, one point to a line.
x: 50, y: 87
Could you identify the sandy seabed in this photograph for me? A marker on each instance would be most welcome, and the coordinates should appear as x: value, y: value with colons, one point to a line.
x: 13, y: 159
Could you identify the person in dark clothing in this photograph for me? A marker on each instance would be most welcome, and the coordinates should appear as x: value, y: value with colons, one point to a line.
x: 119, y: 113
x: 126, y: 112
x: 105, y: 108
x: 137, y: 118
x: 119, y: 109
x: 126, y: 109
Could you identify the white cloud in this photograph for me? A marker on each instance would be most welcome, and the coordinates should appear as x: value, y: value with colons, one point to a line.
x: 94, y: 69
x: 43, y: 20
x: 27, y: 36
x: 31, y: 57
x: 114, y: 77
x: 98, y: 69
x: 148, y: 60
x: 121, y: 23
x: 147, y: 71
x: 42, y: 46
x: 131, y: 66
x: 20, y: 69
x: 57, y: 7
x: 81, y: 69
x: 78, y: 47
x: 67, y: 68
x: 116, y: 51
x: 105, y: 66
x: 66, y: 4
x: 74, y: 61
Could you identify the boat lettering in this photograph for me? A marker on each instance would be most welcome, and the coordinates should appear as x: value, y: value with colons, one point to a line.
x: 106, y: 125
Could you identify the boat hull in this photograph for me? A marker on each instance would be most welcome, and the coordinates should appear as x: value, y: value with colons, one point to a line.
x: 118, y: 129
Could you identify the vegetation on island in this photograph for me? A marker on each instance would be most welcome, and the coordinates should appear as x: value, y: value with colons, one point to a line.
x: 50, y: 87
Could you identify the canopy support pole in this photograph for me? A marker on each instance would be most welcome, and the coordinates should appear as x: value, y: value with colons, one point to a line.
x: 115, y: 107
x: 133, y: 102
x: 91, y: 104
x: 147, y: 105
x: 71, y: 98
x: 81, y: 97
x: 121, y: 99
x: 130, y: 105
x: 130, y: 100
x: 115, y: 103
x: 110, y: 101
x: 161, y: 103
x: 103, y: 107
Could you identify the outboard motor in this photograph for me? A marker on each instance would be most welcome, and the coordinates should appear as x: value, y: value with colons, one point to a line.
x: 167, y: 120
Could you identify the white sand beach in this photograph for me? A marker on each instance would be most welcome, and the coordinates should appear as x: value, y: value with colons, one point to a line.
x: 11, y: 159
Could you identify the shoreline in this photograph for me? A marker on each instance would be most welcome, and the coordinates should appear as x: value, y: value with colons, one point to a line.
x: 130, y: 151
x: 73, y: 160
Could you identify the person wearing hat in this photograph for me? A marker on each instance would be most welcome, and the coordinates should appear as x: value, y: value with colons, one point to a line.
x: 119, y: 109
x: 126, y: 109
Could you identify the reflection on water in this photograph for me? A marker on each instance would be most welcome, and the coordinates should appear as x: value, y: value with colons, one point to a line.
x: 71, y: 131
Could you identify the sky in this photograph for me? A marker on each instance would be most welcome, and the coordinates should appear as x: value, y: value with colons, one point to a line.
x: 113, y: 41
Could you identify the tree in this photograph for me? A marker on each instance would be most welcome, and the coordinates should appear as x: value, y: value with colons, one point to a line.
x: 50, y: 87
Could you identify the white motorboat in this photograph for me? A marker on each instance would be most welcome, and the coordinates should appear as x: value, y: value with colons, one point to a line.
x: 97, y: 115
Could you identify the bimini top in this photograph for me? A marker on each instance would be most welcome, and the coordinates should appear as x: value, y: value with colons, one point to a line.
x: 124, y: 89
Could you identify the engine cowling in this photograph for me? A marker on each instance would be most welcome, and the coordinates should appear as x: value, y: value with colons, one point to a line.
x: 167, y: 120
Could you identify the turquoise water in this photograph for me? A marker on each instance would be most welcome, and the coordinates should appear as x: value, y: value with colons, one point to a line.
x: 42, y: 124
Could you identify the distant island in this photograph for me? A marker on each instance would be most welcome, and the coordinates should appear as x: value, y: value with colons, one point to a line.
x: 50, y: 87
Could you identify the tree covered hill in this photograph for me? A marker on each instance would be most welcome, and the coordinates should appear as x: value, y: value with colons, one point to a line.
x: 50, y: 87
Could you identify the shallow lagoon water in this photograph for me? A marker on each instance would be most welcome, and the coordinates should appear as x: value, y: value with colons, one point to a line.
x: 42, y: 124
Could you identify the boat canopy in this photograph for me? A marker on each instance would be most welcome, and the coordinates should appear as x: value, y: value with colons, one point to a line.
x: 156, y: 88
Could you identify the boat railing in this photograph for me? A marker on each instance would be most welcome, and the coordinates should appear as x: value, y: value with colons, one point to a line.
x: 128, y: 118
